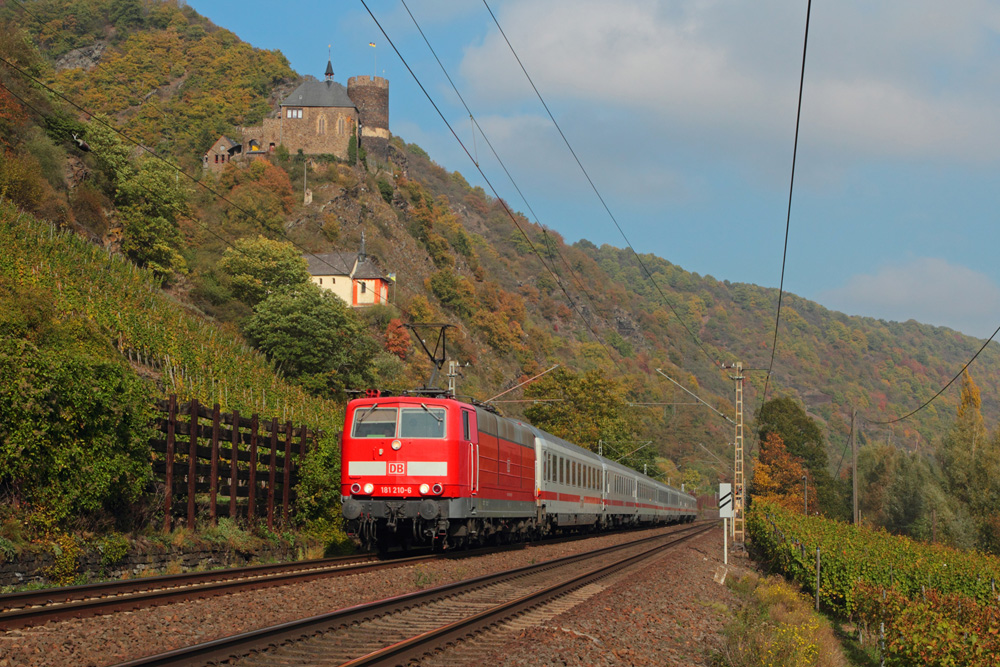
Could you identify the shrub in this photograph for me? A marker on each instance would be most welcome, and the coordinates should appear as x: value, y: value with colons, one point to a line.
x: 385, y: 189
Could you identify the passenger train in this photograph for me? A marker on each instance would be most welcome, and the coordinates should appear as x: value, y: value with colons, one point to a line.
x: 439, y: 472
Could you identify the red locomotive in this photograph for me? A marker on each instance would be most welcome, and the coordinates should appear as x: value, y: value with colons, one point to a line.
x: 436, y: 471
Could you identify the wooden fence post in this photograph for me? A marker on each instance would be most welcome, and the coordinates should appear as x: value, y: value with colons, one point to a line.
x: 281, y: 434
x: 271, y: 473
x: 192, y: 460
x: 233, y: 458
x: 169, y: 484
x: 287, y: 479
x: 254, y: 425
x: 214, y: 483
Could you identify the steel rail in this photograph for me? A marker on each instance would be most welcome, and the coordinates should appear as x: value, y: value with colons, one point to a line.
x: 416, y: 647
x: 35, y: 607
x: 227, y: 648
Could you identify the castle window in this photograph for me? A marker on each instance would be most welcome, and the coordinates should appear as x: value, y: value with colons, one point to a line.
x: 216, y: 158
x: 293, y: 113
x: 321, y: 125
x: 364, y: 287
x: 340, y: 125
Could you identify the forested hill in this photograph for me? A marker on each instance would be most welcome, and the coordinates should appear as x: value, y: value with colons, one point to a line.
x: 522, y: 300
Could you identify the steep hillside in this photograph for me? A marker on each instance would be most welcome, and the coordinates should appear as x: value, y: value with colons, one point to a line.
x: 520, y: 298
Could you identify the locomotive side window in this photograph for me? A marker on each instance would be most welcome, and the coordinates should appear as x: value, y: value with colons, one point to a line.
x: 422, y: 422
x: 466, y: 434
x: 374, y: 422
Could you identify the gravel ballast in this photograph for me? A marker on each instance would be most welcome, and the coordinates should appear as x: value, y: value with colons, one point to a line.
x: 672, y: 606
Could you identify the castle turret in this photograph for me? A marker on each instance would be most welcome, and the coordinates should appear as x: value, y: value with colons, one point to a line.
x: 370, y: 95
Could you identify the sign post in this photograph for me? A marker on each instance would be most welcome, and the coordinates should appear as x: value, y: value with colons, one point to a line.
x: 726, y: 512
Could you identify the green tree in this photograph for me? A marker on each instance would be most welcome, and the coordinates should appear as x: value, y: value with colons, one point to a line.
x: 799, y: 432
x: 453, y: 290
x: 313, y: 337
x: 257, y: 267
x: 970, y: 461
x: 74, y: 419
x: 583, y: 409
x: 150, y: 197
x: 803, y: 439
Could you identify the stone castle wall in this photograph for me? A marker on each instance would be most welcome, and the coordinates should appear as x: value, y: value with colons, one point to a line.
x: 321, y: 130
x: 327, y: 130
x: 371, y: 96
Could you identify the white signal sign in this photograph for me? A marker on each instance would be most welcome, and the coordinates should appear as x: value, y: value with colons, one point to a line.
x: 725, y: 501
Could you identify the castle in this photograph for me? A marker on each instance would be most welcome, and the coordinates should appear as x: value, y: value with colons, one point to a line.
x: 317, y: 118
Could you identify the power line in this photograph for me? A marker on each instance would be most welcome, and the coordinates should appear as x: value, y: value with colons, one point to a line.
x: 844, y: 453
x: 97, y: 64
x: 170, y: 164
x: 791, y: 189
x: 941, y: 391
x: 648, y: 274
x: 506, y: 209
x: 476, y: 125
x: 143, y: 187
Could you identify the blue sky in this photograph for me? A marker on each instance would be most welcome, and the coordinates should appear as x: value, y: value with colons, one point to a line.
x: 683, y: 113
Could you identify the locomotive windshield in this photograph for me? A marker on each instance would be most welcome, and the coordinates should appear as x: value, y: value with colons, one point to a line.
x: 422, y: 422
x: 376, y: 422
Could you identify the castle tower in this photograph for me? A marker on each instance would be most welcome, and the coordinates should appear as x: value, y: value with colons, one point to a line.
x: 370, y: 95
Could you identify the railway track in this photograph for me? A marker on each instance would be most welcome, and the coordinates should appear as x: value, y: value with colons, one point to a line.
x: 406, y: 628
x: 18, y: 610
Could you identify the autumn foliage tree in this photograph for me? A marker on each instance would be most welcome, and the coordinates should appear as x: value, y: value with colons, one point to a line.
x: 397, y: 339
x: 778, y: 475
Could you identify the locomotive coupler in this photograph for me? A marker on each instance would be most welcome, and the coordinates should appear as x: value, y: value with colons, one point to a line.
x: 393, y: 513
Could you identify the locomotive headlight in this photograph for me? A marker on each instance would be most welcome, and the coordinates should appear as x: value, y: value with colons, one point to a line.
x: 437, y: 489
x: 355, y: 488
x: 425, y: 489
x: 369, y: 487
x: 396, y: 444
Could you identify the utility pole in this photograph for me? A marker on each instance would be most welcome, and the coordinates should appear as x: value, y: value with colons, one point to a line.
x: 739, y: 489
x: 854, y: 467
x: 805, y: 497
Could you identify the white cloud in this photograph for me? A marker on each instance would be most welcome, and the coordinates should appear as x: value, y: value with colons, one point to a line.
x: 925, y: 289
x: 894, y: 80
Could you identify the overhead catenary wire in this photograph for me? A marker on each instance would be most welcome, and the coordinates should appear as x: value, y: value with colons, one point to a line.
x: 489, y: 183
x: 645, y: 270
x: 695, y: 396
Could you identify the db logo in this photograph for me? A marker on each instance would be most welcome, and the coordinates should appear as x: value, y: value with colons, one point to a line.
x: 397, y: 467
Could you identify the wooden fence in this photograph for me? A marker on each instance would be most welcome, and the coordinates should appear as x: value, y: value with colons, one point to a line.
x: 198, y: 466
